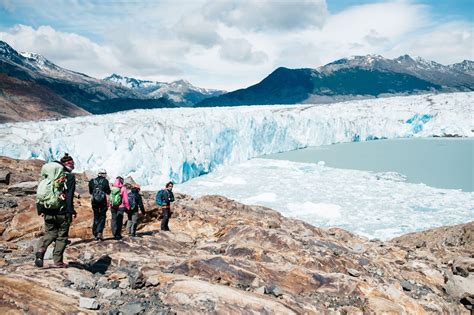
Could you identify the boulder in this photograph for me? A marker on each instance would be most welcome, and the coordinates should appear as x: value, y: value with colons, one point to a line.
x: 5, y: 177
x: 463, y: 266
x: 110, y: 294
x: 23, y: 189
x: 460, y: 287
x: 88, y: 303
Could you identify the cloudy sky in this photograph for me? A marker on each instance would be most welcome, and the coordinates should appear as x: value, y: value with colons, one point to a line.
x: 230, y: 44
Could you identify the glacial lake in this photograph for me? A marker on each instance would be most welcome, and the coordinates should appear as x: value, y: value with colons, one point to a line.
x: 436, y: 162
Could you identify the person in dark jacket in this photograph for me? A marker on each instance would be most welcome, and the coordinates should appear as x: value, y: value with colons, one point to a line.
x: 57, y: 221
x: 99, y: 188
x: 164, y: 198
x: 136, y: 203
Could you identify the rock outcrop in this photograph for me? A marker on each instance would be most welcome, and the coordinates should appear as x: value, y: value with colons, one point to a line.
x: 225, y: 257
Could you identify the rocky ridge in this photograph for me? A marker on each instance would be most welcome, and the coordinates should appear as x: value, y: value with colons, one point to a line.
x: 225, y: 257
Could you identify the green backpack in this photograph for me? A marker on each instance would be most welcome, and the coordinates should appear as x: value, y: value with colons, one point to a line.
x: 51, y: 189
x: 115, y: 197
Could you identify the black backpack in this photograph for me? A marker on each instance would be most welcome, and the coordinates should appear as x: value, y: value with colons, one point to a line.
x: 98, y: 194
x: 132, y: 200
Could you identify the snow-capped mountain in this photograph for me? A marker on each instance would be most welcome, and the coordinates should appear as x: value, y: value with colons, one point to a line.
x: 351, y: 78
x: 131, y: 83
x: 180, y: 144
x: 466, y: 66
x: 180, y: 92
x: 449, y: 77
x: 93, y: 95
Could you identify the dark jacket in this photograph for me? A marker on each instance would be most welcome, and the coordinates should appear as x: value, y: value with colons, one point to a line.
x: 139, y: 200
x: 167, y: 197
x: 102, y: 182
x: 70, y: 189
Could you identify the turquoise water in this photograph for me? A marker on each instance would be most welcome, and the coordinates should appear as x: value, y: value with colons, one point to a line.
x: 437, y: 162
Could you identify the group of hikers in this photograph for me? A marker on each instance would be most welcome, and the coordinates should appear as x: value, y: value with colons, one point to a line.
x: 55, y: 202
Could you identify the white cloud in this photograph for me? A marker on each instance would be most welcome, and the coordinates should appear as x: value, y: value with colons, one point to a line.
x: 228, y: 44
x: 446, y: 44
x: 68, y: 50
x: 240, y: 50
x: 197, y: 30
x: 267, y: 15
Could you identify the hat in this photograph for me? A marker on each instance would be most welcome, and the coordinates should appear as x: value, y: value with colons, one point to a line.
x: 102, y: 172
x: 136, y: 186
x: 66, y: 158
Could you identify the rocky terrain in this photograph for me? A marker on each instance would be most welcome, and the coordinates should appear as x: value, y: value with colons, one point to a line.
x: 225, y: 257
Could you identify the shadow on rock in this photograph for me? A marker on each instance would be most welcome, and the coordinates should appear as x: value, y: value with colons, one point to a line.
x: 99, y: 266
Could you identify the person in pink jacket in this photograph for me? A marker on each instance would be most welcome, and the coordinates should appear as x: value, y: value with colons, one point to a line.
x: 118, y: 205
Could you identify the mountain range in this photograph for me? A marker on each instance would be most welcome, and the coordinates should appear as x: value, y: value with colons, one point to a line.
x: 181, y: 92
x: 349, y: 78
x: 32, y: 87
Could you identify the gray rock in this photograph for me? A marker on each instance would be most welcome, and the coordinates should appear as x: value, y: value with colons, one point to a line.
x: 23, y: 189
x: 136, y: 279
x: 102, y: 282
x: 463, y: 266
x: 406, y: 285
x: 358, y: 248
x: 460, y: 287
x: 132, y: 308
x: 88, y: 256
x: 152, y: 281
x: 88, y: 303
x: 353, y: 272
x: 81, y: 280
x: 8, y: 203
x: 110, y: 293
x: 273, y: 290
x: 5, y: 177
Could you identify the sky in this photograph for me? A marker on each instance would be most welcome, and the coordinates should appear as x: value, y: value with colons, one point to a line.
x: 231, y: 44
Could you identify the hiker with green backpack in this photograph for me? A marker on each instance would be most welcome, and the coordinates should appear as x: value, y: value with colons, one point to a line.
x: 54, y: 202
x: 118, y: 205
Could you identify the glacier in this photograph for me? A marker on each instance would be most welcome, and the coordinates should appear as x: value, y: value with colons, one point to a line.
x: 373, y: 204
x: 154, y: 146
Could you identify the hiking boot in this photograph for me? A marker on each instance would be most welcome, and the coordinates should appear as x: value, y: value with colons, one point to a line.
x: 60, y: 265
x: 39, y: 259
x: 117, y: 237
x: 100, y: 237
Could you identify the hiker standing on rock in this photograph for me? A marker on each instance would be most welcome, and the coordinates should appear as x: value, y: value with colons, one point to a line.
x: 118, y: 205
x: 164, y: 198
x: 99, y: 188
x: 136, y: 203
x: 54, y: 201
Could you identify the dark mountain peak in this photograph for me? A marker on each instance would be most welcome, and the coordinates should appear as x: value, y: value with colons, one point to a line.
x: 405, y: 58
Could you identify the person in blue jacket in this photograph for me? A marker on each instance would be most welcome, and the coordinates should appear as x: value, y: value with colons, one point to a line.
x: 164, y: 198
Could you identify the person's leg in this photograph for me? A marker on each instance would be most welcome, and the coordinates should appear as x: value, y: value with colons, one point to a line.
x: 62, y: 224
x: 134, y: 222
x: 129, y: 222
x: 49, y: 236
x: 102, y: 217
x: 119, y: 222
x: 95, y: 221
x: 114, y: 221
x: 164, y: 221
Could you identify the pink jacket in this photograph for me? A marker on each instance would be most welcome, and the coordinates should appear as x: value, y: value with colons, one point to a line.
x: 123, y: 193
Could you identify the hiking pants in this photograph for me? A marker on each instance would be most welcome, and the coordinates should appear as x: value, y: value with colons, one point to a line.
x: 132, y: 222
x: 56, y: 230
x: 117, y: 221
x: 166, y: 218
x: 100, y: 215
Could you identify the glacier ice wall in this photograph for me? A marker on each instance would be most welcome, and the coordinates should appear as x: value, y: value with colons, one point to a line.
x: 156, y: 145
